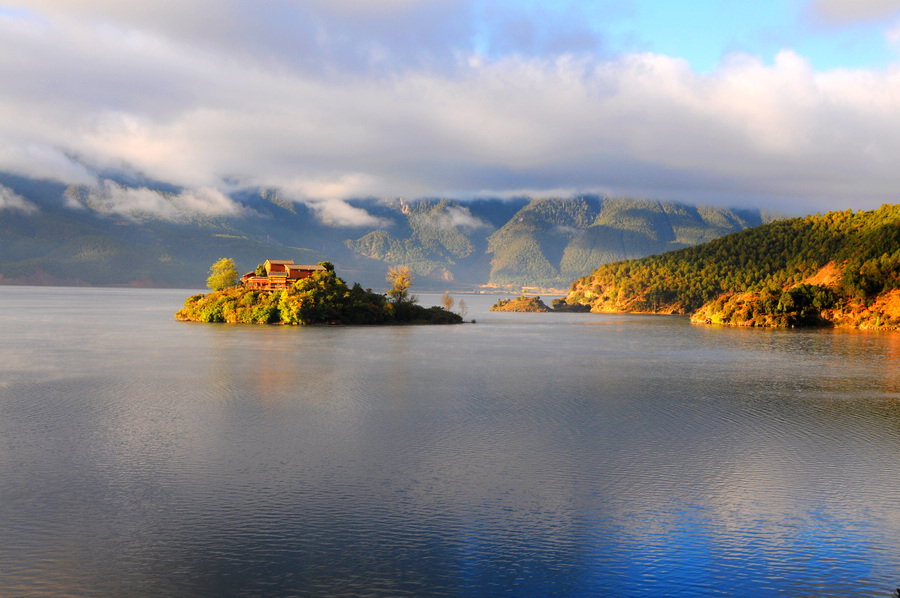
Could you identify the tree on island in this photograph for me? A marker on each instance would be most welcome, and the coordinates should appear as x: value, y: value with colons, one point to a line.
x: 401, y: 279
x: 222, y: 275
x: 448, y: 302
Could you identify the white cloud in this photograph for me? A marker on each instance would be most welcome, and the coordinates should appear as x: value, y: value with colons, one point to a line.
x: 37, y: 159
x: 342, y: 185
x: 193, y: 94
x: 141, y: 202
x: 453, y: 217
x: 460, y: 216
x: 335, y: 212
x: 567, y: 230
x: 10, y: 200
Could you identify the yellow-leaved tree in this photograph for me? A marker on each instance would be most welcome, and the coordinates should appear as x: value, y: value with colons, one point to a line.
x: 401, y: 279
x: 222, y: 275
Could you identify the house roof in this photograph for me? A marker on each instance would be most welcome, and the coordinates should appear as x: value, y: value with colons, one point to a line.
x: 282, y: 270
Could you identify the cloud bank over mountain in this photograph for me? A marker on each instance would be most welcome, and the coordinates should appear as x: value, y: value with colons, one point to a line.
x: 326, y: 101
x: 136, y: 203
x: 10, y: 200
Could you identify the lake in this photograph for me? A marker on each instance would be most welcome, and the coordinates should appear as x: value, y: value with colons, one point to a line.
x: 524, y: 455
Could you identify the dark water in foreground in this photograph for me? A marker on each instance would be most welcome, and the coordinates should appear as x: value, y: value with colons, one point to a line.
x: 526, y: 455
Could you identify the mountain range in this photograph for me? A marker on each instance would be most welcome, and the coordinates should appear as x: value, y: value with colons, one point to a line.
x: 139, y: 234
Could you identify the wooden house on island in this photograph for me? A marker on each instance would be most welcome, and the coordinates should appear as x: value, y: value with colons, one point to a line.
x: 280, y: 274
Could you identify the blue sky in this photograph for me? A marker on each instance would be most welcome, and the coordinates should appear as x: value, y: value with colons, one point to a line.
x: 712, y: 29
x: 704, y: 32
x: 790, y: 104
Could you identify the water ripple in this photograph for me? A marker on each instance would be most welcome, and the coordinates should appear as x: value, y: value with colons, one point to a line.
x: 585, y: 456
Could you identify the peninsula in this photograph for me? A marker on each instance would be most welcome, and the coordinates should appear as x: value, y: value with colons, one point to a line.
x: 836, y: 269
x: 282, y: 292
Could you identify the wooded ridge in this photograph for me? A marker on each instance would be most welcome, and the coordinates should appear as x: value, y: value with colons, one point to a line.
x: 840, y: 268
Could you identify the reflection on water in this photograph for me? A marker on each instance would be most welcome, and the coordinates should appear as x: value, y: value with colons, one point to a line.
x: 528, y: 454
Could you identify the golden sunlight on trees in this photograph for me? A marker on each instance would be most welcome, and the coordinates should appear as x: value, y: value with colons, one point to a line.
x: 447, y: 301
x: 401, y: 279
x: 222, y: 275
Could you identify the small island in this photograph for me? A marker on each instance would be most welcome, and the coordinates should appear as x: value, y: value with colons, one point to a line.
x: 521, y: 304
x: 535, y: 305
x: 282, y: 292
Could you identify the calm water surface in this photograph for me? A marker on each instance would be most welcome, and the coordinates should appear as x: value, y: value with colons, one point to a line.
x: 525, y: 455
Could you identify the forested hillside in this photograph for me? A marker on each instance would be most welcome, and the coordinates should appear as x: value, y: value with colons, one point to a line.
x: 841, y: 267
x: 137, y: 233
x: 549, y: 242
x: 440, y: 240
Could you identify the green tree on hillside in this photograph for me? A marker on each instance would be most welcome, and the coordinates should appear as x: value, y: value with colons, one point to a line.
x: 222, y: 275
